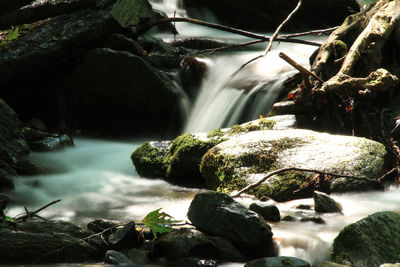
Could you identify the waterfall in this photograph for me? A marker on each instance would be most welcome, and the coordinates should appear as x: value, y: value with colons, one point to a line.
x: 224, y: 100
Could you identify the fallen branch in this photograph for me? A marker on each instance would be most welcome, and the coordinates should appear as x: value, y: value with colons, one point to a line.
x: 296, y: 169
x: 297, y: 66
x: 319, y: 32
x: 274, y: 36
x: 213, y: 50
x: 147, y: 26
x: 30, y: 215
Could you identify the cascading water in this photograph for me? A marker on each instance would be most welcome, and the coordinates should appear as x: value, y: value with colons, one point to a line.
x: 96, y: 179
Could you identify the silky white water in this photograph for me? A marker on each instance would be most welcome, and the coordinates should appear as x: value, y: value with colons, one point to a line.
x: 96, y: 179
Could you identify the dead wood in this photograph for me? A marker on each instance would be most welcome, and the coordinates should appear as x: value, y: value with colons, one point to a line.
x: 300, y: 68
x: 29, y: 215
x: 147, y: 26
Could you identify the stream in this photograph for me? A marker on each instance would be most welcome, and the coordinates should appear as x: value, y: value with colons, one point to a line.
x: 96, y: 178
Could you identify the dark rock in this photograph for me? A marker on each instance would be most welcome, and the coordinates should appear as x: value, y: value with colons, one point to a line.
x: 45, y: 53
x: 192, y: 262
x: 269, y: 212
x: 371, y: 241
x: 138, y: 256
x: 116, y: 90
x: 278, y: 262
x: 218, y: 214
x: 324, y: 203
x: 38, y: 10
x: 289, y: 218
x: 264, y: 16
x: 46, y: 241
x: 98, y: 226
x: 160, y: 53
x: 8, y: 5
x: 187, y: 242
x: 303, y: 207
x: 115, y: 257
x: 314, y: 219
x: 36, y: 124
x: 42, y: 141
x: 3, y: 204
x: 352, y: 185
x: 192, y: 73
x: 13, y: 147
x: 125, y: 237
x: 121, y: 42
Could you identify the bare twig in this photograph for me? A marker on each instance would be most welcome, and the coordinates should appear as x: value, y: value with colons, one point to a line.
x: 319, y: 32
x: 145, y: 27
x: 296, y: 169
x: 29, y: 214
x: 297, y: 66
x: 274, y: 36
x: 213, y: 50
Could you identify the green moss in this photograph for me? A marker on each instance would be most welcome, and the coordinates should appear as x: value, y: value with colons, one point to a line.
x: 263, y: 124
x: 184, y: 157
x: 148, y: 161
x: 228, y: 173
x: 215, y: 133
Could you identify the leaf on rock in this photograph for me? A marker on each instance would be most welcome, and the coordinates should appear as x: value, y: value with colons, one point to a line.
x: 159, y: 222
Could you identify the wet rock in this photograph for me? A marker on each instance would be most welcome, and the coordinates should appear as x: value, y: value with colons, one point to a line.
x: 42, y: 141
x: 192, y: 262
x: 44, y: 53
x: 286, y: 107
x: 269, y: 212
x: 3, y: 204
x: 265, y: 16
x: 192, y: 73
x: 138, y: 256
x: 324, y: 203
x: 278, y: 262
x: 218, y: 214
x: 13, y: 147
x: 314, y: 219
x: 38, y: 10
x: 245, y: 158
x: 8, y: 5
x: 46, y: 241
x: 125, y: 237
x: 160, y: 53
x: 289, y: 218
x: 115, y: 257
x: 115, y: 90
x: 121, y: 42
x: 132, y: 12
x: 98, y: 226
x: 187, y: 242
x: 303, y: 207
x: 371, y: 241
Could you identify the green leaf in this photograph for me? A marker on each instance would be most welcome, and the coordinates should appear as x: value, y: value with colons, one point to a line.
x: 159, y: 222
x: 13, y: 34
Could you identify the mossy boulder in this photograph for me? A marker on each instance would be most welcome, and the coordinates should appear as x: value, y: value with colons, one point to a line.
x: 149, y: 159
x: 132, y: 12
x: 246, y: 158
x: 371, y: 241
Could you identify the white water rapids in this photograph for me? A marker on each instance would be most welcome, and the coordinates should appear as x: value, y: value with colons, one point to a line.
x: 96, y: 179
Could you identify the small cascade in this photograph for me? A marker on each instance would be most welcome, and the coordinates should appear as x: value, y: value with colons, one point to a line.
x: 225, y: 100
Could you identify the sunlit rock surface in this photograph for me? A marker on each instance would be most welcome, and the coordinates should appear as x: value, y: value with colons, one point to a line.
x: 245, y: 158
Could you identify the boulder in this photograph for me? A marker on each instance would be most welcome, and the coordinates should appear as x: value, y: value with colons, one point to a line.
x: 132, y: 12
x: 44, y: 53
x: 121, y: 42
x: 269, y: 212
x: 46, y: 241
x: 38, y: 10
x: 13, y: 147
x: 245, y: 158
x: 125, y: 236
x: 138, y: 256
x: 265, y: 16
x: 371, y: 241
x: 116, y: 90
x: 43, y: 141
x: 114, y: 257
x: 218, y: 214
x: 188, y: 242
x: 324, y: 203
x: 278, y: 262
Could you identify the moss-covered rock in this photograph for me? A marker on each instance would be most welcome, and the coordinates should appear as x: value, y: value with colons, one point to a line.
x: 246, y: 158
x: 149, y: 159
x: 371, y: 241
